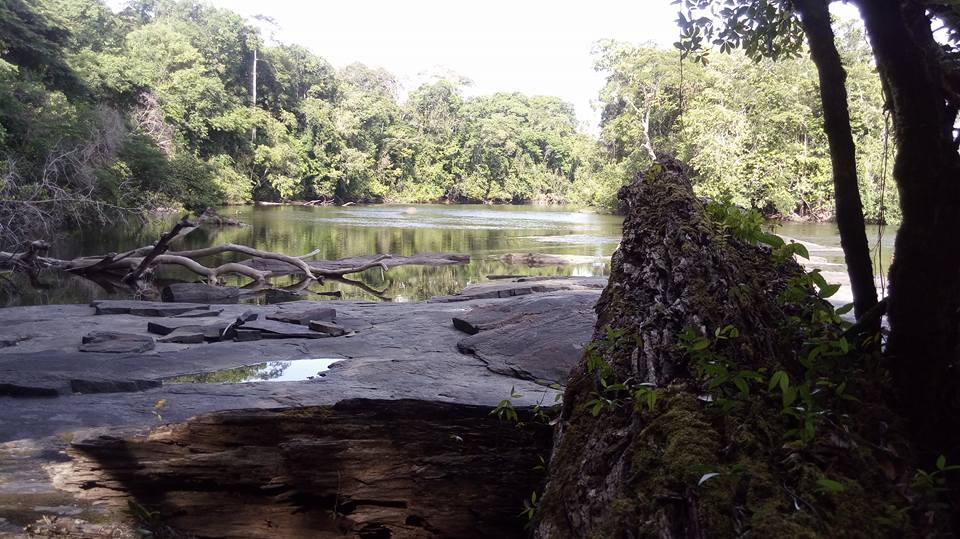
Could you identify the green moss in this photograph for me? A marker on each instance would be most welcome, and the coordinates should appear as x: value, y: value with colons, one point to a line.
x: 679, y: 445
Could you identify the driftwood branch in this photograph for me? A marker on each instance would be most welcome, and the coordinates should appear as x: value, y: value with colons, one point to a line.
x: 131, y: 269
x: 297, y: 262
x: 161, y: 247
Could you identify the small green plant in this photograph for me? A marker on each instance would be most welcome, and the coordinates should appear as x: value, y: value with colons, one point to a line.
x: 148, y: 520
x: 157, y: 407
x: 748, y: 225
x: 825, y: 485
x: 505, y: 409
x: 935, y: 481
x: 724, y: 379
x: 530, y: 507
x: 610, y: 394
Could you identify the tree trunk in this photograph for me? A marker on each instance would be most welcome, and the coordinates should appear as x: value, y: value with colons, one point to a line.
x: 925, y: 274
x: 672, y: 271
x: 815, y: 18
x: 691, y: 462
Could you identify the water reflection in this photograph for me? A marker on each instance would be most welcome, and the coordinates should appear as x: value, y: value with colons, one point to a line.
x: 483, y: 232
x: 272, y: 371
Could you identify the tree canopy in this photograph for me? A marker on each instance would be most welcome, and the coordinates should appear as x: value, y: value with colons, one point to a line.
x: 154, y: 104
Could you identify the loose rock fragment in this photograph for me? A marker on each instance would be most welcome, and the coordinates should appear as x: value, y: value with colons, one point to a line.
x: 329, y: 328
x: 186, y: 335
x: 145, y: 308
x: 303, y: 317
x: 272, y: 329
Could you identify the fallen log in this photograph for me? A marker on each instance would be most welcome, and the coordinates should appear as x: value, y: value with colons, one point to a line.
x: 360, y: 468
x: 158, y: 249
x: 130, y: 268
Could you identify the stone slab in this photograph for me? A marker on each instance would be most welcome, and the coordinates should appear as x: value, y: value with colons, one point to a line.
x: 116, y: 343
x: 145, y: 308
x: 271, y: 329
x: 330, y: 328
x: 303, y: 316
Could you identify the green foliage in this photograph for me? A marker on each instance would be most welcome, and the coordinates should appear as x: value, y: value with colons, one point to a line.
x: 750, y: 127
x: 169, y: 80
x: 505, y: 409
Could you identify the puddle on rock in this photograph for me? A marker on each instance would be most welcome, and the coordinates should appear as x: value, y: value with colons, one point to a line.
x: 271, y: 371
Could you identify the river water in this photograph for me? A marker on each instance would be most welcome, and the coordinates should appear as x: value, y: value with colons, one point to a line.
x: 484, y: 232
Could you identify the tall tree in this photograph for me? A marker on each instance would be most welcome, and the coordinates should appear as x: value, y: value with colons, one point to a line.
x: 773, y: 30
x: 815, y: 18
x: 921, y: 80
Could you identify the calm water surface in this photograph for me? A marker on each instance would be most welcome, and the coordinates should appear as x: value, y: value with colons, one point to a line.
x: 483, y: 232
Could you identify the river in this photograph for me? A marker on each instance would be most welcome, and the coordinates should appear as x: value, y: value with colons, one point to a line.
x: 483, y: 232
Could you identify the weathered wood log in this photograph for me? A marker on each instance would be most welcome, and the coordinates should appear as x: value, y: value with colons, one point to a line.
x: 199, y: 293
x: 161, y: 247
x: 701, y: 460
x: 360, y: 468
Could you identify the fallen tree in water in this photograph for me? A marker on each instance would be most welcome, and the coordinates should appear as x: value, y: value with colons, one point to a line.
x: 134, y: 268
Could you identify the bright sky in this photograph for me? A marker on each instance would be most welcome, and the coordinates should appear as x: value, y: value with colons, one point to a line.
x: 529, y: 46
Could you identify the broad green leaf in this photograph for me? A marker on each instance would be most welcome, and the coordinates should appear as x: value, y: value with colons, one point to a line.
x: 829, y: 485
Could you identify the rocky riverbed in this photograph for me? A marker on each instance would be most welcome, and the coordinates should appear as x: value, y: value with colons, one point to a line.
x: 137, y: 369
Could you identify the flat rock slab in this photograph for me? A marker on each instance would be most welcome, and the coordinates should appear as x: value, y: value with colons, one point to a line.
x: 168, y: 326
x: 112, y: 386
x: 392, y: 350
x: 330, y: 328
x: 200, y: 293
x: 200, y: 314
x: 536, y: 338
x: 271, y: 329
x: 303, y: 316
x: 392, y: 468
x: 116, y: 343
x: 186, y: 335
x: 145, y: 308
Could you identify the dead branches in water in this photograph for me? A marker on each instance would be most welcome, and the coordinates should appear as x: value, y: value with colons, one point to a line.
x: 135, y: 269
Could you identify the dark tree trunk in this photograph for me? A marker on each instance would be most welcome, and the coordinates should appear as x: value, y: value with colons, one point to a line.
x: 672, y: 271
x: 815, y: 18
x: 677, y: 467
x: 925, y: 275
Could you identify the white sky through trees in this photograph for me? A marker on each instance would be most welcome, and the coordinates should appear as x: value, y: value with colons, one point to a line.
x: 529, y: 46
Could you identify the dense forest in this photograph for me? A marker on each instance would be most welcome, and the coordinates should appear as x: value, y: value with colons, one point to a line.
x: 707, y: 385
x: 154, y: 107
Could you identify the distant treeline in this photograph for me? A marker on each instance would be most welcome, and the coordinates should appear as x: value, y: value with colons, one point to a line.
x: 153, y: 106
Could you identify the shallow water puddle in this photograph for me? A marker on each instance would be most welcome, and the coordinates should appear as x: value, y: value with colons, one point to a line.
x: 271, y: 371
